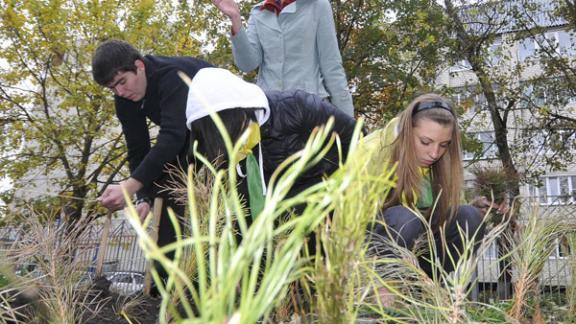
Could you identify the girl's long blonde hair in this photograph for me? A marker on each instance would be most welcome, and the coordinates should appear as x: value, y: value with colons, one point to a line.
x: 447, y: 172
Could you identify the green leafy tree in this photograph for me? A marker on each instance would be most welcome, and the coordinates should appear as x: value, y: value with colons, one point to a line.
x: 550, y: 92
x: 471, y: 43
x: 525, y: 101
x: 391, y: 50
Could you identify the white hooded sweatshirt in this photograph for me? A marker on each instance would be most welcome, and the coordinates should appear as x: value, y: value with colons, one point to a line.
x: 214, y: 89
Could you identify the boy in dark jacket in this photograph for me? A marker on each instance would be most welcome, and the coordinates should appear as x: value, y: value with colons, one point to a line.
x: 146, y: 88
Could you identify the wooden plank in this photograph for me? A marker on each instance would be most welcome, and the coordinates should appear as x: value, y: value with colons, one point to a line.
x: 156, y: 214
x: 103, y: 245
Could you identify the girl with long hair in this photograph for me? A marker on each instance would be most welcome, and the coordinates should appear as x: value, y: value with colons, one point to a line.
x: 423, y: 142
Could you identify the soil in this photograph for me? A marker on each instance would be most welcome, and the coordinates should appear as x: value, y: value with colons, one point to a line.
x: 145, y: 311
x: 138, y: 308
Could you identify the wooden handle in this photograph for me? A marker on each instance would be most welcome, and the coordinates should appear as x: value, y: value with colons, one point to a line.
x: 157, y: 212
x: 103, y: 245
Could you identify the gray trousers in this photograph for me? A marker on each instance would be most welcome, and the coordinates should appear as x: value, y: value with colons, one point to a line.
x: 404, y: 227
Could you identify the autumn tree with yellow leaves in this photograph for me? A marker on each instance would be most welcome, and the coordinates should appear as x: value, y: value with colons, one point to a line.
x: 61, y: 143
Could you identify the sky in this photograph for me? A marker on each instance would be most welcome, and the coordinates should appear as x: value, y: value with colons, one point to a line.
x: 4, y: 184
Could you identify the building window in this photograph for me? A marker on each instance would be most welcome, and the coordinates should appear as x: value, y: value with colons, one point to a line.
x: 471, y: 97
x: 539, y: 96
x: 566, y: 43
x: 463, y: 97
x: 489, y: 149
x: 526, y: 49
x: 549, y: 41
x: 563, y: 136
x: 495, y: 52
x: 538, y: 192
x: 462, y: 65
x: 555, y: 190
x: 480, y: 102
x: 560, y: 42
x: 491, y: 252
x: 561, y: 248
x: 554, y: 93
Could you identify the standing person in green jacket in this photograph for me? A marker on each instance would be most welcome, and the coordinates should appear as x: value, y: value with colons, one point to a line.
x: 294, y: 46
x: 424, y: 141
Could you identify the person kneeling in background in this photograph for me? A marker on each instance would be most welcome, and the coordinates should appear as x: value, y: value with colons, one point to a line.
x: 284, y: 120
x: 424, y: 142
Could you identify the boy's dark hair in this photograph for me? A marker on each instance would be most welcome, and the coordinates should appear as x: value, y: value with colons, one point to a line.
x: 111, y: 57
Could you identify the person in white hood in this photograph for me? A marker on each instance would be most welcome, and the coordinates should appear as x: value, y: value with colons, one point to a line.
x: 285, y: 118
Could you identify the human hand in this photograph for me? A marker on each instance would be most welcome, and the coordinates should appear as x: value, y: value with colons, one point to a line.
x: 227, y: 7
x: 143, y: 208
x: 481, y: 202
x: 112, y: 198
x: 503, y: 207
x: 484, y: 205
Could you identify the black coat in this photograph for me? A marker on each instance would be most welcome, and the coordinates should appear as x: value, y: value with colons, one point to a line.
x: 293, y: 116
x: 165, y: 105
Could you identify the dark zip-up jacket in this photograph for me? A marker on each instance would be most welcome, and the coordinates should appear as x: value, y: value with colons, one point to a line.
x: 165, y: 105
x: 293, y: 116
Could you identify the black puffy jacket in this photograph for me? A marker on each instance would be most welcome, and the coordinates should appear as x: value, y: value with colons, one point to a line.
x: 293, y: 116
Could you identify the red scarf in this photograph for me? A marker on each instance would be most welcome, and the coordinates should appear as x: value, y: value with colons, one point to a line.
x: 276, y: 5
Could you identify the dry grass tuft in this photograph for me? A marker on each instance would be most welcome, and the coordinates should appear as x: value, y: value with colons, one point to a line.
x: 130, y: 307
x: 532, y: 243
x: 53, y: 288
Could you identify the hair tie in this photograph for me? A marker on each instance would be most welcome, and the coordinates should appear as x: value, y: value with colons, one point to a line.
x: 432, y: 104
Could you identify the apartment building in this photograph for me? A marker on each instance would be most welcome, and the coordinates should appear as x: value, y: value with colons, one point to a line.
x: 524, y: 88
